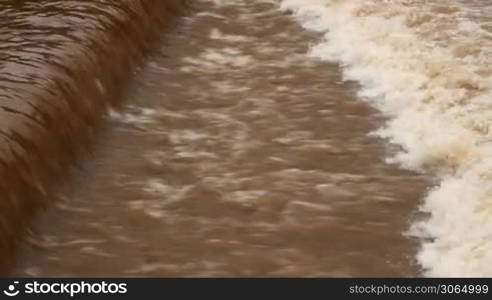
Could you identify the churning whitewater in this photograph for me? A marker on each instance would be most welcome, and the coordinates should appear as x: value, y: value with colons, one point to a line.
x: 427, y: 65
x: 234, y: 155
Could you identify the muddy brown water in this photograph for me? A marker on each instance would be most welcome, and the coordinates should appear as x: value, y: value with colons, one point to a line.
x: 235, y: 154
x: 57, y: 76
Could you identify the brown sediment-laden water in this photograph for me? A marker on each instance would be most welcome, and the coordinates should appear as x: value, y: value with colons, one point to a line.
x: 253, y: 140
x: 427, y: 65
x: 235, y: 154
x: 61, y: 64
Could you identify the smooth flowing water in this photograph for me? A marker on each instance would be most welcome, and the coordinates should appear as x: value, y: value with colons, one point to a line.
x: 57, y: 76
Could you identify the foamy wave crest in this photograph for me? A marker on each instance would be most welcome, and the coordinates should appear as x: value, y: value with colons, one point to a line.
x: 426, y: 65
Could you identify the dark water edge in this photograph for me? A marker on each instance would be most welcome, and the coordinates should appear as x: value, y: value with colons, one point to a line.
x: 62, y: 63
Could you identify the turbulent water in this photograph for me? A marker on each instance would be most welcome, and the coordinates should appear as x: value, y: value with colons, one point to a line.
x: 243, y: 147
x: 236, y: 154
x: 428, y: 66
x: 57, y: 77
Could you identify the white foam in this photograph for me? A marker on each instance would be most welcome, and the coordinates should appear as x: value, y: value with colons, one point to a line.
x: 426, y: 65
x: 212, y: 60
x: 216, y: 34
x: 133, y: 115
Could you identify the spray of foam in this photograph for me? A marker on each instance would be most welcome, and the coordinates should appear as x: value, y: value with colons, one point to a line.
x: 427, y: 65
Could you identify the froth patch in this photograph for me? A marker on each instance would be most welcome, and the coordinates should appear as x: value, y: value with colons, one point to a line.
x: 216, y: 34
x: 213, y: 59
x: 430, y: 78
